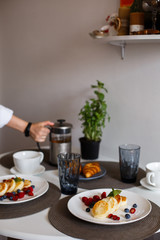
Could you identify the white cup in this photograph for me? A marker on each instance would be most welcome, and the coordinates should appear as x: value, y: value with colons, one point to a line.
x: 27, y: 162
x: 153, y: 174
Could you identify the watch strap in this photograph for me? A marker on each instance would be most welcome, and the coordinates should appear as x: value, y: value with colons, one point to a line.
x: 27, y: 129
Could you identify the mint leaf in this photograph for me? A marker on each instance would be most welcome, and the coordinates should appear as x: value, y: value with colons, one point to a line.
x: 114, y: 192
x: 17, y: 179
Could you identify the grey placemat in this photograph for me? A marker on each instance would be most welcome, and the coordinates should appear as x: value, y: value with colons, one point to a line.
x: 112, y: 178
x: 23, y: 209
x: 60, y: 217
x: 7, y: 160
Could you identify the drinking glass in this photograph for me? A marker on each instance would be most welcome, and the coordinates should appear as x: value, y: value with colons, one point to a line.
x: 129, y: 161
x: 68, y: 168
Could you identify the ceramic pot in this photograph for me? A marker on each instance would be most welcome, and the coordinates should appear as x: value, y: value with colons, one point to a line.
x: 89, y: 149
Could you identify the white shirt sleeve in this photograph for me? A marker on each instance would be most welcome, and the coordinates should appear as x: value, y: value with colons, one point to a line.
x: 5, y: 115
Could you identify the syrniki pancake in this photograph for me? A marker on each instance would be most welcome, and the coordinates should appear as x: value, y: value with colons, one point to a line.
x: 11, y: 185
x: 19, y: 185
x: 27, y: 183
x: 106, y: 206
x: 3, y: 188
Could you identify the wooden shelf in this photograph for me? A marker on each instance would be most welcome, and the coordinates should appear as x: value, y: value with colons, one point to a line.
x: 123, y: 41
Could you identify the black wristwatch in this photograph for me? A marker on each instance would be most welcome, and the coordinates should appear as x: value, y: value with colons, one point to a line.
x: 27, y: 129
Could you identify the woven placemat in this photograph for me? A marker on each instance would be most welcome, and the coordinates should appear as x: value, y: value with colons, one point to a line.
x: 7, y: 160
x: 23, y: 209
x: 60, y: 217
x: 112, y: 178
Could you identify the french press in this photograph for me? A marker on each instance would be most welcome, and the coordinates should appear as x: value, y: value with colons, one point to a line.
x: 60, y: 140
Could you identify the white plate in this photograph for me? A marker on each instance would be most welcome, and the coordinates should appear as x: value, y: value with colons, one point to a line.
x: 41, y: 186
x: 40, y: 170
x: 144, y: 183
x: 77, y: 207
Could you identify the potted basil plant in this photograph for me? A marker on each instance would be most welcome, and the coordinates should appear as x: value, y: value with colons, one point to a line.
x: 93, y: 115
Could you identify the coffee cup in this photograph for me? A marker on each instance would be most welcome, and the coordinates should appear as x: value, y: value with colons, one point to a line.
x: 153, y: 174
x: 27, y: 162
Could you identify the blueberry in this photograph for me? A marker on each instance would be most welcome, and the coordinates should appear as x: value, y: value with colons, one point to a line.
x: 33, y: 186
x: 11, y: 198
x: 87, y: 209
x: 127, y: 216
x: 14, y: 193
x: 4, y: 196
x: 91, y: 205
x: 18, y: 191
x: 135, y: 205
x: 1, y: 198
x: 126, y: 210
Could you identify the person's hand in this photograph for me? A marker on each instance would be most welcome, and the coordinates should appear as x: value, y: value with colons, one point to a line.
x: 39, y: 131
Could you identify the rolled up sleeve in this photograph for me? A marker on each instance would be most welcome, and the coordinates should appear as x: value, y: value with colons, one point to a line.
x: 5, y: 115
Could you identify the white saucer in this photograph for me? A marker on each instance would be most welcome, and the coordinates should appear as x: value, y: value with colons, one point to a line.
x: 40, y: 170
x: 144, y: 183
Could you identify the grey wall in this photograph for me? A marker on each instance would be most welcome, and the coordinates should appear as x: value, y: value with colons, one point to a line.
x: 48, y: 62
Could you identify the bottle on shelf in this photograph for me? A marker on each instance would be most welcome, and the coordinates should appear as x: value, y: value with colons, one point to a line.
x: 136, y: 17
x: 124, y: 14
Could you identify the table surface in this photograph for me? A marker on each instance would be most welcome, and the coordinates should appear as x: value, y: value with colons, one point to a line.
x: 38, y: 227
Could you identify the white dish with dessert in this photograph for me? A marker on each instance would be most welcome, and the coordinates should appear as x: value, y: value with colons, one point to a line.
x: 41, y: 186
x: 78, y: 208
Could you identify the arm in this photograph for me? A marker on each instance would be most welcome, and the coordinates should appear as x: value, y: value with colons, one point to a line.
x: 38, y: 131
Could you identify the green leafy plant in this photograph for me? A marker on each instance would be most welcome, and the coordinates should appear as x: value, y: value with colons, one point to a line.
x: 94, y: 113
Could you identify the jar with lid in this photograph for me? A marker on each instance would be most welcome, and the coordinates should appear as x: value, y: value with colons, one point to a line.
x: 60, y: 139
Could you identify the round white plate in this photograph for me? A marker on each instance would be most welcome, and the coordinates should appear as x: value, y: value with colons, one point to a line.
x: 40, y: 170
x: 41, y: 187
x: 144, y: 183
x: 77, y: 207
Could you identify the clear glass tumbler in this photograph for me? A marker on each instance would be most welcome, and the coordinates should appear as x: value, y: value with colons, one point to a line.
x: 68, y: 168
x: 129, y: 161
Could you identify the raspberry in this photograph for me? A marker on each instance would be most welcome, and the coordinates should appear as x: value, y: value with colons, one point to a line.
x: 25, y: 189
x: 30, y: 189
x: 96, y: 198
x: 132, y: 210
x: 103, y: 195
x: 84, y: 199
x: 114, y: 217
x: 9, y: 195
x: 89, y: 201
x: 30, y: 194
x: 21, y: 194
x: 15, y: 198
